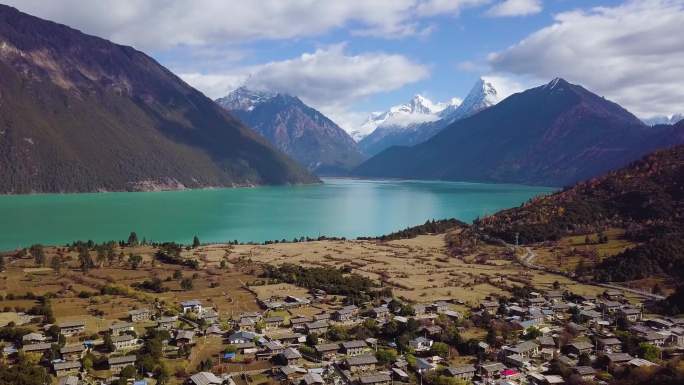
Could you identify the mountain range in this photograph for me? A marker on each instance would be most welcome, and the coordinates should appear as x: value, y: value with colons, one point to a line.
x: 79, y: 113
x: 664, y: 119
x: 298, y: 130
x: 555, y: 134
x: 420, y: 119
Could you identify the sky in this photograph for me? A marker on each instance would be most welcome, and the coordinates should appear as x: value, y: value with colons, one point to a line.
x: 349, y: 58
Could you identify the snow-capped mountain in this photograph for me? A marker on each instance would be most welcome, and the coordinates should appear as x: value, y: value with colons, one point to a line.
x: 418, y: 110
x: 419, y: 119
x: 481, y: 95
x: 244, y: 99
x: 298, y: 130
x: 663, y: 119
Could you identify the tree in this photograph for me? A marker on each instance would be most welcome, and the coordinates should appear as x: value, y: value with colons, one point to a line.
x: 195, y: 242
x: 38, y: 254
x: 584, y: 360
x: 128, y: 372
x: 2, y: 263
x: 312, y: 339
x: 132, y: 239
x: 84, y: 259
x: 440, y: 349
x: 134, y: 261
x: 56, y: 263
x: 532, y: 333
x: 108, y: 344
x: 186, y: 284
x: 177, y: 274
x: 649, y: 352
x: 386, y: 356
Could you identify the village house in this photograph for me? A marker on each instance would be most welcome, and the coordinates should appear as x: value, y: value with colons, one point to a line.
x: 312, y: 379
x: 72, y: 352
x: 419, y: 309
x: 317, y: 327
x: 618, y: 359
x: 516, y: 360
x: 343, y: 315
x: 610, y: 307
x: 587, y: 373
x: 194, y: 306
x: 118, y: 363
x: 527, y: 349
x: 423, y: 365
x: 124, y: 342
x: 609, y: 345
x: 71, y: 328
x: 321, y: 317
x: 290, y: 374
x: 613, y: 295
x: 274, y: 348
x: 65, y: 368
x: 184, y: 337
x: 139, y: 315
x: 659, y: 324
x: 289, y: 338
x: 291, y: 356
x: 167, y: 323
x: 363, y: 363
x: 33, y: 338
x: 438, y: 307
x: 208, y: 315
x: 37, y: 348
x: 491, y: 370
x: 490, y: 307
x: 274, y: 322
x: 119, y: 328
x: 327, y: 351
x: 464, y: 373
x: 630, y: 313
x: 298, y: 322
x: 654, y: 338
x: 375, y: 379
x: 554, y: 296
x: 241, y: 336
x: 676, y: 337
x: 578, y: 347
x: 420, y: 344
x: 205, y: 378
x: 354, y: 348
x: 69, y: 380
x: 380, y: 312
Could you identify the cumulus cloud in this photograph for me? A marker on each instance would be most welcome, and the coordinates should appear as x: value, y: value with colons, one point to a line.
x: 509, y: 8
x: 161, y: 24
x: 632, y: 53
x: 329, y: 78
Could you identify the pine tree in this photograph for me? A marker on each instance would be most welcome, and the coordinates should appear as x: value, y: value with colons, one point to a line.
x: 195, y: 242
x: 133, y: 239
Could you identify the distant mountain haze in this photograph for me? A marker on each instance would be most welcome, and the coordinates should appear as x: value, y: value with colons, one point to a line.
x: 79, y: 113
x: 298, y: 130
x: 553, y: 135
x: 420, y: 119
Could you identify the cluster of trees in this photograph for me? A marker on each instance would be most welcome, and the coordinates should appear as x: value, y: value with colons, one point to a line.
x: 663, y: 255
x: 170, y: 252
x: 429, y: 227
x: 329, y: 279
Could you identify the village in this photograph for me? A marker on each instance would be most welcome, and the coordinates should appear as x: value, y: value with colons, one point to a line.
x: 357, y: 332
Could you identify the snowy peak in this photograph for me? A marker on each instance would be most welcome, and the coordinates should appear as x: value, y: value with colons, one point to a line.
x: 663, y: 119
x: 417, y: 110
x: 244, y: 99
x: 482, y: 95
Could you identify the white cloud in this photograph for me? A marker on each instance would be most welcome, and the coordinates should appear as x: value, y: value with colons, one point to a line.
x: 162, y: 24
x: 632, y: 53
x: 509, y: 8
x: 328, y: 79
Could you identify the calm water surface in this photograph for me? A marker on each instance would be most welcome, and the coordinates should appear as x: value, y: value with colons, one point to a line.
x: 340, y: 207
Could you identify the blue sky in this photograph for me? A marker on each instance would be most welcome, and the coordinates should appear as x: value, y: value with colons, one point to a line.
x: 348, y: 58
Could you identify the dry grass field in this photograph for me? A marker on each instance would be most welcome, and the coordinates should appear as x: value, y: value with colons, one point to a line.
x: 418, y: 270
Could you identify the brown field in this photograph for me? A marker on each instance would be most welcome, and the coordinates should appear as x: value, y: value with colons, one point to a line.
x: 566, y: 253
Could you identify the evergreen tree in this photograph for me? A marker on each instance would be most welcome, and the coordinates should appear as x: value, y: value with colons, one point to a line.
x: 133, y: 239
x: 195, y: 242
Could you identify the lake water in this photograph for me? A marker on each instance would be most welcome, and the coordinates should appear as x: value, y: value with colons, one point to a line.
x: 339, y: 207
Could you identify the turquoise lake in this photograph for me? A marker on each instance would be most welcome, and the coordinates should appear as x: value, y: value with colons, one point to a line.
x: 338, y: 207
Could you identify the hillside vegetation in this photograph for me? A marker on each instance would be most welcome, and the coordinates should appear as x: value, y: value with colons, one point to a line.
x: 644, y: 199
